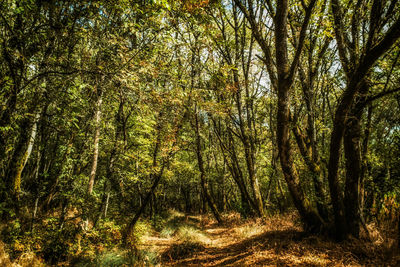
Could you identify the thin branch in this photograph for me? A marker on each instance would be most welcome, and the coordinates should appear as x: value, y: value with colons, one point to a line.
x: 339, y: 33
x: 302, y: 37
x: 381, y: 94
x: 260, y: 40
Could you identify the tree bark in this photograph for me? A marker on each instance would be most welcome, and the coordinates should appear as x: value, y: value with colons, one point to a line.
x: 354, y: 165
x: 353, y: 170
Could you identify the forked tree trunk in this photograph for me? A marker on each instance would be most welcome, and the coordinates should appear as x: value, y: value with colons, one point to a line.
x: 309, y: 216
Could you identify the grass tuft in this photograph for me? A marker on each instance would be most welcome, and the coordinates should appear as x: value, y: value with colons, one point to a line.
x: 187, y: 233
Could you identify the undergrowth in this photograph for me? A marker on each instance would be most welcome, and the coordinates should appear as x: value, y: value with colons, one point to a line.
x: 49, y: 244
x: 276, y: 240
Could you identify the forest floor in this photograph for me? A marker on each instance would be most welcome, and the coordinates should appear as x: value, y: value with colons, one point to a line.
x: 276, y: 241
x: 182, y: 240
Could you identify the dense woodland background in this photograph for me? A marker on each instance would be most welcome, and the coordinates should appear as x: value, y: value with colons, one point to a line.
x: 114, y: 112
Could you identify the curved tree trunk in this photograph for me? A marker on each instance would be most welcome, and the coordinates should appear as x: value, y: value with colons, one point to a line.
x: 26, y: 155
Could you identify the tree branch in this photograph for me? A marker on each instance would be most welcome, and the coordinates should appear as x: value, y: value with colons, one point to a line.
x: 302, y: 37
x: 377, y: 96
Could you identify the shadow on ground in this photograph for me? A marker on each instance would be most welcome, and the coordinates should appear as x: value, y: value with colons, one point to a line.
x: 284, y: 248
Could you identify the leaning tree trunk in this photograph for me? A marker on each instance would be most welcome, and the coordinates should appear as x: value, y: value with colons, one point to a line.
x: 156, y: 176
x: 309, y: 216
x: 248, y: 203
x: 315, y: 172
x: 26, y: 155
x: 156, y: 180
x: 146, y: 201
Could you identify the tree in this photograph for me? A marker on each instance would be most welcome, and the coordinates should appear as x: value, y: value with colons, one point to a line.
x: 357, y: 57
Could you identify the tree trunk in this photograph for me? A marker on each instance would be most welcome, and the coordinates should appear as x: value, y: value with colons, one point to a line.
x: 96, y: 143
x: 315, y: 172
x: 352, y: 151
x: 200, y: 163
x: 146, y: 201
x: 354, y: 162
x: 157, y: 178
x: 95, y: 153
x: 364, y: 164
x: 310, y: 217
x: 333, y: 165
x: 26, y: 155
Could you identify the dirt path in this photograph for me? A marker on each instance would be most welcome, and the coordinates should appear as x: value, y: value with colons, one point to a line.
x: 276, y: 242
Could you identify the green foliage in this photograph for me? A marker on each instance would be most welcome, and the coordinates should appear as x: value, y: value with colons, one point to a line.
x: 142, y: 228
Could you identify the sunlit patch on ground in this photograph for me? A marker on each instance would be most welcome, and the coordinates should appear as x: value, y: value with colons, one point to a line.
x: 276, y: 241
